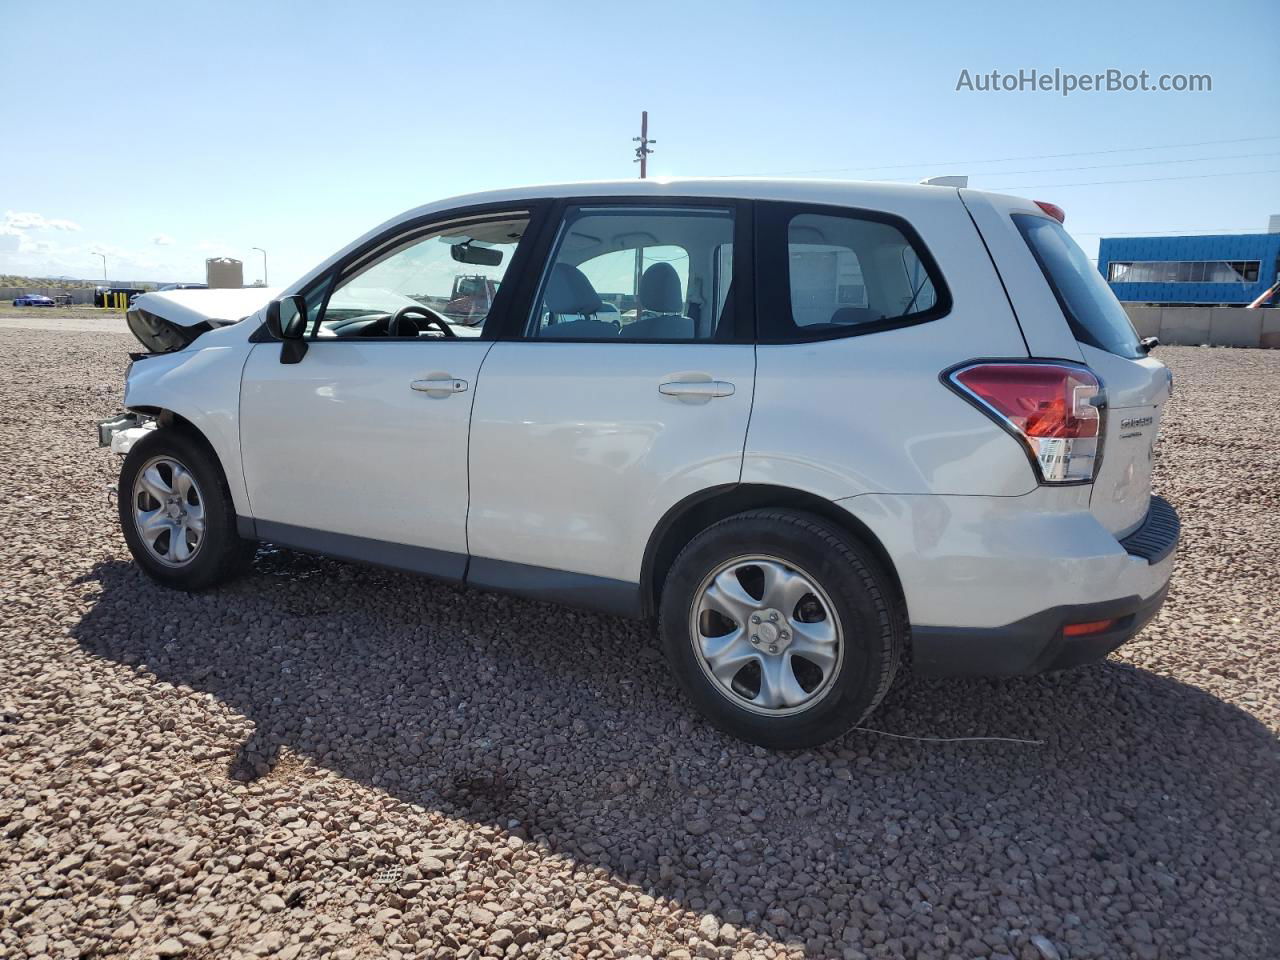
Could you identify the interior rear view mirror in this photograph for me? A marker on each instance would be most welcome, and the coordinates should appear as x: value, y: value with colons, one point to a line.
x: 479, y: 256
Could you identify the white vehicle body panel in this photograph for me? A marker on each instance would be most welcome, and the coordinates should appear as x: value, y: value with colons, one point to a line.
x: 344, y: 444
x: 869, y: 414
x: 576, y: 455
x: 989, y: 561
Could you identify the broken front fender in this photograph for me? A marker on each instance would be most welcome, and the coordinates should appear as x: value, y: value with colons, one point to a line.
x: 202, y: 386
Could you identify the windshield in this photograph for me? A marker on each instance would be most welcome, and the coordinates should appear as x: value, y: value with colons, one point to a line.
x: 1091, y: 309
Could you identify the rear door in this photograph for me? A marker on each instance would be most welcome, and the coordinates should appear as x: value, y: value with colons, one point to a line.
x: 1067, y: 311
x: 627, y: 388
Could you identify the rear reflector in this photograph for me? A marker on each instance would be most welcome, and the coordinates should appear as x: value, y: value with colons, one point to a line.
x: 1055, y: 409
x: 1053, y: 210
x: 1085, y: 629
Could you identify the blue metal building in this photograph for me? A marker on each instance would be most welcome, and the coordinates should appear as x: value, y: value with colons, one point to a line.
x: 1227, y: 269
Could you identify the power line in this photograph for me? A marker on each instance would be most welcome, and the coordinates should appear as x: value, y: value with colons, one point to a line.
x: 1041, y: 156
x: 1095, y: 183
x: 1181, y: 231
x: 1103, y: 166
x: 1140, y: 163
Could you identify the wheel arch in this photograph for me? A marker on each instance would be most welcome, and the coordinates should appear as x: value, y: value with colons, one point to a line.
x: 695, y: 513
x: 170, y: 419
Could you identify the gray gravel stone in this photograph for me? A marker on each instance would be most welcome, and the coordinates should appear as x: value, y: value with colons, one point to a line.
x: 324, y: 757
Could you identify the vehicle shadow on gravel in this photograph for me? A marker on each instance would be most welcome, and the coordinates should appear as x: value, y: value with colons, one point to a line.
x: 564, y: 728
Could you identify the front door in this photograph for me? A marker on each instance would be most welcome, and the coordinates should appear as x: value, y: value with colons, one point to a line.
x: 628, y: 388
x: 360, y: 448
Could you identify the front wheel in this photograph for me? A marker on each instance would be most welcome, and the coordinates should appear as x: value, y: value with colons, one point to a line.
x: 781, y: 628
x: 176, y: 512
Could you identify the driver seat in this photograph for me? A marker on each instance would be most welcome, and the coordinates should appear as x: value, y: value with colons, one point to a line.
x: 570, y: 292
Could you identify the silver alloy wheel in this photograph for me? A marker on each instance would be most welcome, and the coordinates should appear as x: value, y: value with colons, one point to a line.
x: 168, y: 511
x: 766, y: 635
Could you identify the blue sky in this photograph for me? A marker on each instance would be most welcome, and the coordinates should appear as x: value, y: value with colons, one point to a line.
x: 165, y: 133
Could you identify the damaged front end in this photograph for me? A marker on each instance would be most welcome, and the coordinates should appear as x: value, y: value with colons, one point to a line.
x: 159, y: 335
x: 170, y: 320
x: 122, y: 431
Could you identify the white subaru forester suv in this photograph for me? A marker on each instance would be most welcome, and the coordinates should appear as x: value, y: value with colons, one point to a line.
x: 817, y: 430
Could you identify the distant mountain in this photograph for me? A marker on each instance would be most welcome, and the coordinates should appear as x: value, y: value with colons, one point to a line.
x: 69, y: 283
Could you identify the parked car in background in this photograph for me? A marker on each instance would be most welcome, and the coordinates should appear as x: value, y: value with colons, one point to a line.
x: 33, y: 300
x: 841, y: 428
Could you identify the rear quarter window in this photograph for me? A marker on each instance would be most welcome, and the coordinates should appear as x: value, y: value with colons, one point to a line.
x: 1090, y: 307
x: 827, y: 272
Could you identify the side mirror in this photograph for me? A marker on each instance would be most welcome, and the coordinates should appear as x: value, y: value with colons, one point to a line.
x: 287, y: 321
x: 287, y: 318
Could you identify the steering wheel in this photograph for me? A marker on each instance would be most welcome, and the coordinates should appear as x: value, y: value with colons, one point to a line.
x: 431, y: 318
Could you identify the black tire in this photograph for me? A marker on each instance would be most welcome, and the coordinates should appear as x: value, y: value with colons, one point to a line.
x: 221, y: 553
x: 861, y: 595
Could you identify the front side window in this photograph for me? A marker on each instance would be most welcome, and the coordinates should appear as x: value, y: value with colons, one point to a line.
x: 638, y: 273
x: 845, y: 274
x: 450, y: 274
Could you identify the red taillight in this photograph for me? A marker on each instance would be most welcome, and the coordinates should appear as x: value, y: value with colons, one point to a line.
x: 1054, y: 408
x: 1053, y: 210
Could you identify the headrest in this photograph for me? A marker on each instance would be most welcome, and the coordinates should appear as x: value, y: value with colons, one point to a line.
x: 660, y: 289
x: 569, y: 291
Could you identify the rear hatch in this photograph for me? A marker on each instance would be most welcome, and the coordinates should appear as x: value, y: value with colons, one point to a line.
x: 1136, y: 385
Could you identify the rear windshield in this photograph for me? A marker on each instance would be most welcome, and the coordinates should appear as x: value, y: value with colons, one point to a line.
x: 1091, y: 309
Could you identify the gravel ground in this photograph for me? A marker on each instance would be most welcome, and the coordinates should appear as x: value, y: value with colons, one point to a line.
x: 327, y: 759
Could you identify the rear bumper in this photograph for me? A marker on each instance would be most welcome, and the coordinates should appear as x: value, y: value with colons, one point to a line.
x: 991, y: 583
x: 1033, y: 645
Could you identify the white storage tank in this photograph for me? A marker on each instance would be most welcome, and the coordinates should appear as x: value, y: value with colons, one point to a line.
x: 223, y: 273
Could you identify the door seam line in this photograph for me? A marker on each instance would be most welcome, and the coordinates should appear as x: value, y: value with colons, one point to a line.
x: 466, y: 513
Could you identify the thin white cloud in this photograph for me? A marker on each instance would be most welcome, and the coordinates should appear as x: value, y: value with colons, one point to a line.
x: 162, y: 240
x: 16, y: 221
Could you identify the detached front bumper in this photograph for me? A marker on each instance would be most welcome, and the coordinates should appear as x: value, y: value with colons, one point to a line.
x: 1062, y: 636
x: 122, y: 431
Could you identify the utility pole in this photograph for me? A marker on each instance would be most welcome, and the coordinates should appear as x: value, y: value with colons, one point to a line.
x: 643, y: 151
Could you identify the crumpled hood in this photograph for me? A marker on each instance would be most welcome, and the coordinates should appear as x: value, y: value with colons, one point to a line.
x: 170, y: 320
x: 188, y: 308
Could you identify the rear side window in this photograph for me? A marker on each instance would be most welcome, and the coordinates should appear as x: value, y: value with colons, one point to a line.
x: 1092, y: 310
x: 638, y: 273
x: 844, y: 273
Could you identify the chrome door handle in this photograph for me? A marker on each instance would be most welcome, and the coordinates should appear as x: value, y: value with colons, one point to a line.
x: 440, y: 385
x: 702, y: 389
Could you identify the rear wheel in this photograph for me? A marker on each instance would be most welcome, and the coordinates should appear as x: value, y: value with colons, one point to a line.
x: 781, y: 628
x: 176, y: 512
